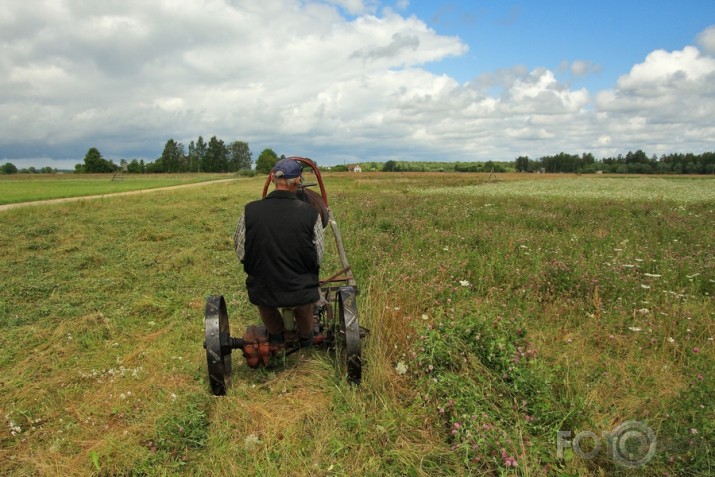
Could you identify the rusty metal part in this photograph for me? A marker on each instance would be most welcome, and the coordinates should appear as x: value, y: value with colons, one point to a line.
x: 337, y: 277
x: 316, y: 171
x: 256, y: 348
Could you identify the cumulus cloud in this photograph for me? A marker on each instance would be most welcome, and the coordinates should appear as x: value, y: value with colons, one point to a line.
x: 668, y: 101
x: 332, y: 79
x: 706, y: 39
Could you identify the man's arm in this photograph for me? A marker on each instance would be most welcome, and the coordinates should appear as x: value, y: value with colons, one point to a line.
x: 239, y: 238
x: 319, y: 239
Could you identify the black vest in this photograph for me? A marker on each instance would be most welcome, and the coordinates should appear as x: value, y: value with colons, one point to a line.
x: 280, y: 259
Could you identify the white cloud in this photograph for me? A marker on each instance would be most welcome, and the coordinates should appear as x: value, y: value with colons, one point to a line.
x: 304, y: 78
x: 668, y: 101
x: 706, y: 39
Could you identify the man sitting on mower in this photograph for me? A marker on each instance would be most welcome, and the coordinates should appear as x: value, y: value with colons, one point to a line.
x: 279, y: 240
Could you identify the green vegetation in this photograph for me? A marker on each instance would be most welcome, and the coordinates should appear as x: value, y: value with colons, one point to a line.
x: 94, y: 163
x: 24, y: 188
x: 427, y: 166
x: 266, y: 160
x: 501, y: 312
x: 632, y: 163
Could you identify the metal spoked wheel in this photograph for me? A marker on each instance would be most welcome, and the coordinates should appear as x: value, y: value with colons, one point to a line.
x: 217, y: 344
x: 350, y: 332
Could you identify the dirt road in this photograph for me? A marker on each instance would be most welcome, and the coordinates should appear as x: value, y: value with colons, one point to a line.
x: 103, y: 196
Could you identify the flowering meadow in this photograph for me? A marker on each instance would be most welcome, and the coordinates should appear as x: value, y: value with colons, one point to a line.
x: 503, y: 311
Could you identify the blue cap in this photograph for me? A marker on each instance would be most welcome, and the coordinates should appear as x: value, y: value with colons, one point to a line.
x: 287, y: 169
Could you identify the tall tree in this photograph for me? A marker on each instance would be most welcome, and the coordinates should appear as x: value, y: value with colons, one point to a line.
x: 266, y: 160
x: 200, y: 153
x: 173, y: 156
x: 8, y: 168
x: 390, y: 166
x: 239, y: 156
x: 94, y: 162
x: 216, y: 157
x: 522, y: 164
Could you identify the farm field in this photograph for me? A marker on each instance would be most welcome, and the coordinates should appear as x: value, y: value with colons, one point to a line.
x: 16, y: 188
x: 502, y: 311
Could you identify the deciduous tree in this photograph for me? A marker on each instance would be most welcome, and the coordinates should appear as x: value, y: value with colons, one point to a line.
x: 172, y: 157
x: 266, y: 160
x: 8, y: 168
x: 216, y: 157
x: 239, y: 156
x: 94, y: 162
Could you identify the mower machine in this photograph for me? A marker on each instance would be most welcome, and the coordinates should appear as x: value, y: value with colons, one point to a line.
x: 335, y: 315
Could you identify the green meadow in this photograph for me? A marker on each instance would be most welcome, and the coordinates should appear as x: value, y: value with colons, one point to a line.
x: 16, y: 188
x: 518, y: 325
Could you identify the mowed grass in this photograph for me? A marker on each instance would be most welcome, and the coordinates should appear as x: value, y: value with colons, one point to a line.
x: 31, y: 187
x: 495, y: 321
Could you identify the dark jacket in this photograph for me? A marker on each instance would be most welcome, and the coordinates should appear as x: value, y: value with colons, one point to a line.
x: 280, y: 254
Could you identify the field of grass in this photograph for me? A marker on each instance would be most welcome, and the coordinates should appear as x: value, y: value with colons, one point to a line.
x: 501, y: 312
x: 30, y: 187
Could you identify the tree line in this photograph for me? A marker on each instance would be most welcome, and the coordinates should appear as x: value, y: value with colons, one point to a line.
x: 428, y: 166
x: 201, y: 156
x: 217, y: 156
x: 10, y: 168
x: 632, y: 163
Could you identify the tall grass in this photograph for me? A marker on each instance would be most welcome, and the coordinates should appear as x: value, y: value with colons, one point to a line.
x: 495, y: 322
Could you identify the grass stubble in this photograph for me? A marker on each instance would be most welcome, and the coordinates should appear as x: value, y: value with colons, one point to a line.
x: 512, y: 316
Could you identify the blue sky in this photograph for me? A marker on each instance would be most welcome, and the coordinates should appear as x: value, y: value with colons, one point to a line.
x: 356, y: 80
x: 614, y: 35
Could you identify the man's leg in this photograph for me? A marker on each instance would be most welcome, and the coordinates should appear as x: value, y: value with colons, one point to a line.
x: 273, y: 321
x: 304, y: 321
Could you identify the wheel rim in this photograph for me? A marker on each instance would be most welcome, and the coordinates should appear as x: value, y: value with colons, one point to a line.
x: 350, y: 330
x: 218, y: 350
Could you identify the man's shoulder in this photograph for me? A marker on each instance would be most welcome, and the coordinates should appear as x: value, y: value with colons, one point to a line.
x: 269, y: 202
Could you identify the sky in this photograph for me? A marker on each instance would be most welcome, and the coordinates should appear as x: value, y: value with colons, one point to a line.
x: 344, y: 81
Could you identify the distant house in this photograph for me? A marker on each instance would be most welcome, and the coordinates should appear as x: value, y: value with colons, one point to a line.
x: 354, y: 168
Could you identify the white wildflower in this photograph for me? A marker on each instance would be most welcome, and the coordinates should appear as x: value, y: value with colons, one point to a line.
x: 424, y: 316
x: 464, y: 283
x: 251, y: 441
x: 645, y: 287
x: 671, y: 340
x: 401, y: 368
